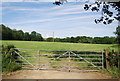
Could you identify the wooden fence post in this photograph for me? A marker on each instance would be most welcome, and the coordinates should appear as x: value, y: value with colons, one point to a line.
x: 119, y: 57
x: 107, y: 61
x: 118, y: 60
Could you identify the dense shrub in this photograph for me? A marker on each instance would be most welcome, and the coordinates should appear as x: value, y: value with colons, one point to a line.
x: 8, y: 58
x: 114, y: 67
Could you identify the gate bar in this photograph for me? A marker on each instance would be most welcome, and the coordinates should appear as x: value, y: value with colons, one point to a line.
x: 69, y: 61
x: 57, y: 50
x: 102, y: 60
x: 72, y: 62
x: 24, y: 59
x: 84, y: 59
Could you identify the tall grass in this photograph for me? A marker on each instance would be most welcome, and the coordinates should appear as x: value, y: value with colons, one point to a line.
x: 113, y: 71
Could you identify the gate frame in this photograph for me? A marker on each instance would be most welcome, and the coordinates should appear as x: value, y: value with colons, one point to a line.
x: 69, y: 56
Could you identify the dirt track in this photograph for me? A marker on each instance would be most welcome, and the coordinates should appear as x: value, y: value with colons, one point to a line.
x: 43, y: 74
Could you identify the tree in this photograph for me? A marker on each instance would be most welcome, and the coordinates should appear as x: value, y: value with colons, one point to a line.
x: 50, y: 39
x: 6, y: 33
x: 20, y: 34
x: 57, y: 40
x: 0, y: 32
x: 118, y: 34
x: 84, y: 39
x: 36, y: 36
x: 39, y: 37
x: 59, y: 2
x: 13, y: 34
x: 17, y: 34
x: 26, y: 36
x: 33, y: 36
x: 107, y: 15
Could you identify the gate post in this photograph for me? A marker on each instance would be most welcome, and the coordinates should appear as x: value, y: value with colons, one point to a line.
x: 107, y: 61
x: 119, y: 60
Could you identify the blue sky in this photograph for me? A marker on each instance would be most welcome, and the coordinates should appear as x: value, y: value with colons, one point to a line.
x: 66, y: 20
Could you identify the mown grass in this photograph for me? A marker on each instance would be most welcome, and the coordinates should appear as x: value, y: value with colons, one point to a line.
x: 59, y: 45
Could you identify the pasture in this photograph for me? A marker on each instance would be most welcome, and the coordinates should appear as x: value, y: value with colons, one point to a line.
x: 58, y: 45
x: 49, y: 61
x: 61, y: 46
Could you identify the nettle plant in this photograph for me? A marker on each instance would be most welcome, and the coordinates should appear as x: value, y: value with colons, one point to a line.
x: 106, y: 9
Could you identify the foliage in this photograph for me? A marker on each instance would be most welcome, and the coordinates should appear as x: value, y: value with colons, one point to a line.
x: 6, y: 33
x: 8, y: 58
x: 113, y: 58
x: 85, y: 39
x: 113, y: 71
x: 50, y: 39
x: 107, y: 14
x: 118, y: 34
x: 9, y: 34
x: 113, y: 67
x: 59, y: 2
x: 0, y: 32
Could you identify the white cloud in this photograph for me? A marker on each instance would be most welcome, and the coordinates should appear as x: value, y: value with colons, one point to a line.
x: 52, y: 11
x: 34, y: 21
x: 17, y: 8
x: 65, y: 19
x: 78, y: 18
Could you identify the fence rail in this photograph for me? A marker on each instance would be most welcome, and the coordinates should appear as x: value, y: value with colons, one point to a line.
x: 60, y: 50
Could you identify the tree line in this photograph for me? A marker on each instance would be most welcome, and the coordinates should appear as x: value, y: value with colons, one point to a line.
x: 85, y: 39
x: 13, y: 34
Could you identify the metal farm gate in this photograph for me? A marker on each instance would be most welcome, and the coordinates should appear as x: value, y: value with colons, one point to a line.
x: 68, y: 60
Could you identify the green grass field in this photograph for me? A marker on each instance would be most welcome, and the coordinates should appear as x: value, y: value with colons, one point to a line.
x: 57, y: 63
x: 58, y: 45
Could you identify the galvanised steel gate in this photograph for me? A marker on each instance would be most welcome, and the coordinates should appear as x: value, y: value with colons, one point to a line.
x: 68, y: 60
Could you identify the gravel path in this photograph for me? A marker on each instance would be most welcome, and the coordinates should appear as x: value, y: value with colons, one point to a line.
x: 45, y: 74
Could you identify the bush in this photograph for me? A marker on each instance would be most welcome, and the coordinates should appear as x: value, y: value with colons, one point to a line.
x: 113, y: 60
x: 9, y: 58
x: 114, y: 72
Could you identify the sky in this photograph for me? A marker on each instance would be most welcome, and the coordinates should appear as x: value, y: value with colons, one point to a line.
x: 45, y: 18
x: 42, y: 0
